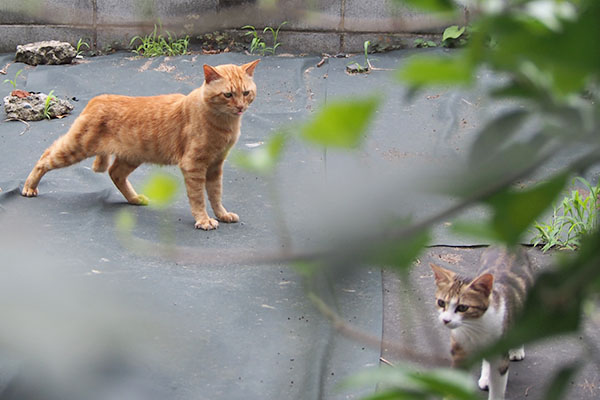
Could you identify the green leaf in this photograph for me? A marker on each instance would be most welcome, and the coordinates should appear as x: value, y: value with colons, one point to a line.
x: 396, y: 395
x: 497, y: 132
x: 161, y: 188
x: 408, y: 383
x: 482, y: 231
x: 560, y: 381
x: 453, y: 32
x: 515, y: 211
x: 447, y: 382
x: 401, y: 254
x: 436, y: 70
x: 125, y: 221
x: 263, y: 159
x: 430, y: 5
x: 341, y: 123
x: 307, y: 269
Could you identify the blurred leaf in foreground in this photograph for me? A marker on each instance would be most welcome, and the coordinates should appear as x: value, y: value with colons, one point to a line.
x: 560, y: 381
x: 401, y: 254
x: 161, y: 188
x: 262, y: 160
x: 341, y: 123
x: 125, y: 221
x: 515, y: 211
x: 430, y: 70
x: 401, y: 382
x: 431, y: 5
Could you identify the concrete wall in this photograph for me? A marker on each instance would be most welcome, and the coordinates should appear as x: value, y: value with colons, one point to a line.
x: 313, y: 25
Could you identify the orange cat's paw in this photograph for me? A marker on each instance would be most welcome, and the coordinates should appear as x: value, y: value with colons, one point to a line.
x: 228, y: 217
x: 29, y: 192
x: 140, y: 200
x: 207, y: 224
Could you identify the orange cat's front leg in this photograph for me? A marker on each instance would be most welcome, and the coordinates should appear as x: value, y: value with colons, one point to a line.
x: 195, y: 180
x: 214, y: 189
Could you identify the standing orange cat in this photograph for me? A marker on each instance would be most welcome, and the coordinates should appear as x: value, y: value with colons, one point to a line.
x: 194, y: 131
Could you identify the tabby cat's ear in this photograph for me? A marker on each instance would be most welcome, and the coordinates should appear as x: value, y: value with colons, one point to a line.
x: 442, y: 275
x: 483, y: 284
x: 210, y: 74
x: 249, y: 68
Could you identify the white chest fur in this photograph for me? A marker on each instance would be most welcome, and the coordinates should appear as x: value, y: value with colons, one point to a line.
x: 476, y: 333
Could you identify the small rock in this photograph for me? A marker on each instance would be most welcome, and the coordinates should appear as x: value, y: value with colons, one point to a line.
x: 356, y: 68
x: 47, y: 52
x: 31, y: 108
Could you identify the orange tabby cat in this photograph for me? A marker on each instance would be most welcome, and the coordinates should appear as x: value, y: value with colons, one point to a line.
x: 194, y: 131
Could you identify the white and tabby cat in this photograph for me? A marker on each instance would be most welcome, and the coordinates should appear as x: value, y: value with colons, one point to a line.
x: 478, y: 311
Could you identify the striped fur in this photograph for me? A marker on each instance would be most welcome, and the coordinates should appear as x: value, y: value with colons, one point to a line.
x: 479, y: 310
x: 195, y: 132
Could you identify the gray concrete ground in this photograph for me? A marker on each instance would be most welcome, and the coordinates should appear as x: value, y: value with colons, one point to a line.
x: 92, y: 313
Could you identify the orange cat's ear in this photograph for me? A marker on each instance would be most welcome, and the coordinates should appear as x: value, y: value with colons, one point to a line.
x: 210, y: 74
x: 249, y: 68
x: 442, y: 275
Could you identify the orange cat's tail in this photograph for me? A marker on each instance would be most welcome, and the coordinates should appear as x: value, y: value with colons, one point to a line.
x: 101, y: 163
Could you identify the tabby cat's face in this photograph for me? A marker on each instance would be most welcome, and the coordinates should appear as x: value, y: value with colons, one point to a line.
x: 460, y: 300
x: 230, y: 89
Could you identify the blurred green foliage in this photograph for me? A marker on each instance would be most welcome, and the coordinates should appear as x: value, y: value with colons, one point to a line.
x: 551, y: 69
x: 161, y: 189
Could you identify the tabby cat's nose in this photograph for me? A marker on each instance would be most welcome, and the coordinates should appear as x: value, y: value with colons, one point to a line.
x: 446, y: 321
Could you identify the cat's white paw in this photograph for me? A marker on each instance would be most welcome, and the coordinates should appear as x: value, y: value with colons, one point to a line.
x: 484, y: 380
x: 516, y: 354
x: 207, y: 224
x: 484, y: 383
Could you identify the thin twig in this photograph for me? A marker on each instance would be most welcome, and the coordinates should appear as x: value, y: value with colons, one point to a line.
x: 360, y: 249
x: 347, y: 330
x: 527, y: 390
x: 26, y: 127
x: 372, y: 68
x: 383, y: 360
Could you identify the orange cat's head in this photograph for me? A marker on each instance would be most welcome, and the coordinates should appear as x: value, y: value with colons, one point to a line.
x: 229, y: 88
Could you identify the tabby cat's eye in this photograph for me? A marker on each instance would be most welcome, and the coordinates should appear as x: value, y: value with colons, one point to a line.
x: 228, y: 94
x: 461, y: 308
x: 441, y: 303
x: 246, y: 93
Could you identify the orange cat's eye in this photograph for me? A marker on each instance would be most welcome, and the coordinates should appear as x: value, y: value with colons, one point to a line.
x: 246, y: 93
x: 461, y: 308
x: 228, y: 95
x: 441, y: 303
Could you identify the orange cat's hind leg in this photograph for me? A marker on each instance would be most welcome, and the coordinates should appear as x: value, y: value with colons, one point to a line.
x: 119, y: 171
x: 101, y: 163
x: 60, y: 154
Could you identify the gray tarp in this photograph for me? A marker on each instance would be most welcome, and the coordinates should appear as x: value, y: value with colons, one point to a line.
x: 87, y: 314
